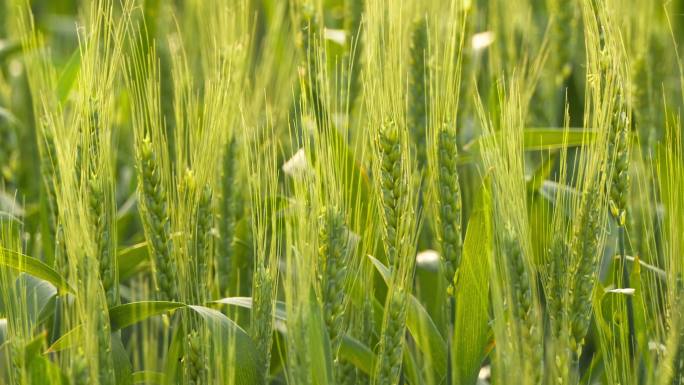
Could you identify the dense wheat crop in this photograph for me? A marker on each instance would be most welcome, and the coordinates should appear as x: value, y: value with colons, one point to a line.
x: 457, y: 192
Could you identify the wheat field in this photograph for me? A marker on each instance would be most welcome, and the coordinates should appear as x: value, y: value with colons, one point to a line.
x: 423, y: 192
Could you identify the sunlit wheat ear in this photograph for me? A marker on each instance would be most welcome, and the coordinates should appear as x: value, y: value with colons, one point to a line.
x: 449, y: 197
x: 155, y: 217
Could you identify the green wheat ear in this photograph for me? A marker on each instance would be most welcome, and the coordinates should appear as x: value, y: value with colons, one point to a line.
x: 449, y: 198
x: 156, y: 220
x: 565, y: 38
x: 391, y: 346
x: 418, y: 82
x: 619, y: 152
x: 584, y: 272
x: 194, y: 359
x: 227, y: 216
x: 335, y: 255
x: 101, y: 227
x: 79, y: 368
x: 523, y: 307
x: 262, y: 316
x: 392, y: 186
x: 9, y: 152
x: 204, y: 242
x: 556, y: 290
x: 106, y: 372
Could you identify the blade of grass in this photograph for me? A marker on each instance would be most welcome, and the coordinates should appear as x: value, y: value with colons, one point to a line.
x: 471, y: 329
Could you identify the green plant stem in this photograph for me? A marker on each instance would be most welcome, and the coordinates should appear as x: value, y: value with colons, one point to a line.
x: 452, y: 321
